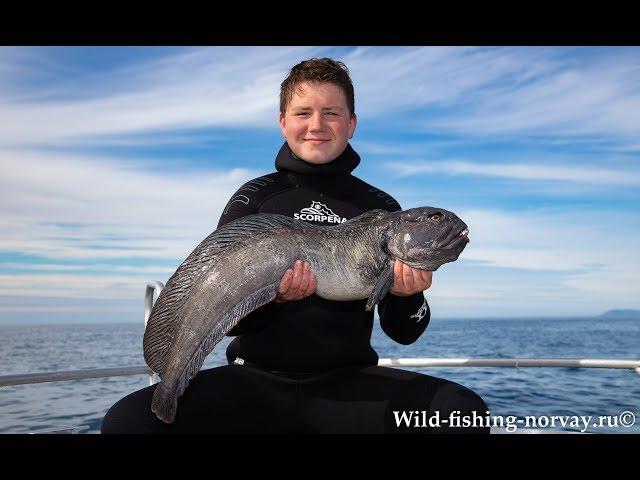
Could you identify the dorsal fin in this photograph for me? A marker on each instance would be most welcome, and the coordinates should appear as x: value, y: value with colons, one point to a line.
x: 159, y: 330
x: 368, y: 217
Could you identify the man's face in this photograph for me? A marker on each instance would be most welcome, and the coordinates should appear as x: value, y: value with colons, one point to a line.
x: 317, y: 123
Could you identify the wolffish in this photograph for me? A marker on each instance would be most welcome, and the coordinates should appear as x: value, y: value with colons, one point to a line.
x: 238, y: 268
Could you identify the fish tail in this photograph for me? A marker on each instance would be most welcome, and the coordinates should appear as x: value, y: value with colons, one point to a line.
x: 164, y: 403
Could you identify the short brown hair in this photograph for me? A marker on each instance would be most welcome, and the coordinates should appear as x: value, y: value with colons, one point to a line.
x: 317, y: 70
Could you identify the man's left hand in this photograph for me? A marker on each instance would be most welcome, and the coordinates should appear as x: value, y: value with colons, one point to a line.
x: 408, y: 280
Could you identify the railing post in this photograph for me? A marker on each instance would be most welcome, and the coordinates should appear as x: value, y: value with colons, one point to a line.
x: 149, y: 300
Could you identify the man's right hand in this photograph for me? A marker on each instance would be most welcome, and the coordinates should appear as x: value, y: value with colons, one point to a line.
x: 296, y: 283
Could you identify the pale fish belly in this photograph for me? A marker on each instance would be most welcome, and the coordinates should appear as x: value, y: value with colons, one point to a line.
x: 340, y: 282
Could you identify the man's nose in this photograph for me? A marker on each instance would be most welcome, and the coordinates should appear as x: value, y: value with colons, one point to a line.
x: 316, y: 121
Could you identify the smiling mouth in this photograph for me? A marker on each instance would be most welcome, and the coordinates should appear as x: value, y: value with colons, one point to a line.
x: 316, y: 141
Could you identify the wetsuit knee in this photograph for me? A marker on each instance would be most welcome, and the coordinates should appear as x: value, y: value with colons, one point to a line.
x: 130, y: 414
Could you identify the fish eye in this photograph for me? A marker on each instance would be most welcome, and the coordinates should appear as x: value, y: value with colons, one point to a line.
x: 436, y: 217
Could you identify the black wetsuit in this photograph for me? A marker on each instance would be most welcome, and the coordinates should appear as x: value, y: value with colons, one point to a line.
x: 308, y: 365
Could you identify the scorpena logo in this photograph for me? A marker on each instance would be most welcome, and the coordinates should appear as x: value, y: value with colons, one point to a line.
x: 318, y: 212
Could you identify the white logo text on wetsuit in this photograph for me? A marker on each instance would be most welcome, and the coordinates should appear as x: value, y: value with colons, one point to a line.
x: 318, y: 212
x: 421, y: 312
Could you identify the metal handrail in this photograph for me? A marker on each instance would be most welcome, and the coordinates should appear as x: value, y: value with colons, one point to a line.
x: 75, y: 429
x: 7, y: 380
x: 511, y: 362
x: 69, y: 375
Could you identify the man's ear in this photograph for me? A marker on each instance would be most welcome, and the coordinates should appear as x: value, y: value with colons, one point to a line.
x: 353, y: 121
x: 283, y: 124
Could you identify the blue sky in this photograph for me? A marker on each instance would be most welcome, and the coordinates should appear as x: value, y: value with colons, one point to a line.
x: 116, y: 163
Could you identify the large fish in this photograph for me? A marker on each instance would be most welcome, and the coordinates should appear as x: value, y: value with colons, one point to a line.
x: 238, y: 268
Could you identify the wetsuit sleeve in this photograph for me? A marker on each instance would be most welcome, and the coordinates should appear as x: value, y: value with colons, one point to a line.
x: 242, y: 203
x: 404, y: 319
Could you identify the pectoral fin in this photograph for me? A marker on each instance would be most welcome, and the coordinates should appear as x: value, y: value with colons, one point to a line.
x: 382, y: 287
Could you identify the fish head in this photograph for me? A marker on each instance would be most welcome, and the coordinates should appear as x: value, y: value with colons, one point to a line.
x: 426, y: 237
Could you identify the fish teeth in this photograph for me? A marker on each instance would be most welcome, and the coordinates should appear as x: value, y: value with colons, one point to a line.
x: 464, y: 232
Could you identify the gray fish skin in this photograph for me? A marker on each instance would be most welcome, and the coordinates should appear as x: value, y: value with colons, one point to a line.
x: 235, y: 277
x: 350, y: 261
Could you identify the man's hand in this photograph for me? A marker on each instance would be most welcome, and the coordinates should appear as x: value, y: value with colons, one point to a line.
x: 408, y: 280
x: 296, y: 283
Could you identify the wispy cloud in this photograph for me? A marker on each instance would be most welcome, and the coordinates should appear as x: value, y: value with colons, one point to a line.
x: 60, y: 267
x: 389, y: 79
x: 493, y: 92
x: 484, y: 91
x: 66, y: 206
x: 559, y: 239
x: 572, y: 94
x: 524, y: 172
x: 49, y: 309
x: 208, y: 87
x: 101, y: 212
x: 531, y: 281
x: 563, y: 255
x: 617, y: 283
x: 64, y: 285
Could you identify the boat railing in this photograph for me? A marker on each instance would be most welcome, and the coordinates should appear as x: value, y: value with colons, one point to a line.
x: 65, y: 430
x: 7, y: 380
x: 153, y: 290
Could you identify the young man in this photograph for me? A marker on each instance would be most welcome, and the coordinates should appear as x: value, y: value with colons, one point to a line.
x: 301, y: 363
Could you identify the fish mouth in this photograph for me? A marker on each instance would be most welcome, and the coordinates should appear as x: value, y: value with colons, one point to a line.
x: 453, y: 238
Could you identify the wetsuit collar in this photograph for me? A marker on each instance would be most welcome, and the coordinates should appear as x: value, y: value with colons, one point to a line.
x: 347, y: 161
